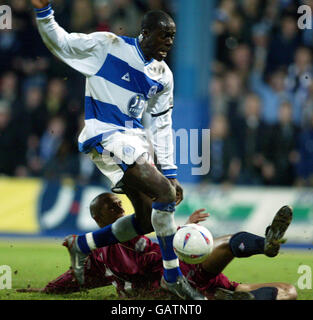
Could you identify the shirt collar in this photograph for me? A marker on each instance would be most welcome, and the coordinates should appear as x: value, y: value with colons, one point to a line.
x: 141, y: 55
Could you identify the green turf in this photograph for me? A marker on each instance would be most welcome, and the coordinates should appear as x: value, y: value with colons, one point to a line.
x: 33, y: 264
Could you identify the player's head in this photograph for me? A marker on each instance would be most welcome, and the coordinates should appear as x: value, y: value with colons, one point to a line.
x: 106, y: 208
x: 157, y: 34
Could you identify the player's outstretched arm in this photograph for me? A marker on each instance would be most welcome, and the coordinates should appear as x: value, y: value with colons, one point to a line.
x: 83, y: 52
x: 39, y: 4
x: 198, y: 216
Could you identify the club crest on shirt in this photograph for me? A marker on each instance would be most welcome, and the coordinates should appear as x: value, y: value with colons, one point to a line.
x: 128, y: 151
x: 153, y: 90
x: 136, y: 105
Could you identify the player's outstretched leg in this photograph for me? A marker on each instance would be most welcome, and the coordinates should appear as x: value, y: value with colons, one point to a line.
x: 77, y: 257
x: 275, y: 232
x: 245, y: 244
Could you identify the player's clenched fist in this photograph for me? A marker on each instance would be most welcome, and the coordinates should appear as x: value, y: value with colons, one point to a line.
x: 38, y: 4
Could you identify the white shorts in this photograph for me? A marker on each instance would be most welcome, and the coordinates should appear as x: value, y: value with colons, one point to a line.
x: 120, y: 150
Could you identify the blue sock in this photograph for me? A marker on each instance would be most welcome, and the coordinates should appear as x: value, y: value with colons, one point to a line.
x: 100, y: 238
x: 123, y: 229
x: 245, y: 244
x: 170, y: 262
x: 165, y: 229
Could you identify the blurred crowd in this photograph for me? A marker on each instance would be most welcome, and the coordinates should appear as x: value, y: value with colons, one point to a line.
x: 261, y: 95
x: 41, y: 99
x: 260, y: 92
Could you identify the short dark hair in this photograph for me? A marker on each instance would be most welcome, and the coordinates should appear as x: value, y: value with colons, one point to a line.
x: 151, y: 20
x: 97, y: 204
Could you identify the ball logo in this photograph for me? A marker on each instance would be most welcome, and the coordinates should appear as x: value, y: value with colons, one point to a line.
x: 187, y: 237
x: 136, y: 105
x: 205, y: 238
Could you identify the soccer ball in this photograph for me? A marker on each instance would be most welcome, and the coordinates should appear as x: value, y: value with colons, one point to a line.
x: 193, y: 243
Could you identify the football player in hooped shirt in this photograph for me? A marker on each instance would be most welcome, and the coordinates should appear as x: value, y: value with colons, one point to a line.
x: 126, y: 77
x: 135, y: 267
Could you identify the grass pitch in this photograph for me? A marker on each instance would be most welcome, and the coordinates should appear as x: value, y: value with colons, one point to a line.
x: 35, y: 263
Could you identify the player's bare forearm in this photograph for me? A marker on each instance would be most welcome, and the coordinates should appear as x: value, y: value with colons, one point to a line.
x: 39, y: 4
x: 198, y: 216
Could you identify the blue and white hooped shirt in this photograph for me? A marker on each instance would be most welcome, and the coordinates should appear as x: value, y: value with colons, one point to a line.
x: 120, y: 85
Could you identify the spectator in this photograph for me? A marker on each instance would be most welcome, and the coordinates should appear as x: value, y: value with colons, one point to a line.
x: 241, y: 60
x: 56, y: 96
x: 218, y: 100
x: 8, y: 87
x: 34, y: 116
x: 33, y: 160
x: 62, y: 10
x: 271, y: 13
x: 305, y: 164
x: 251, y: 12
x: 82, y: 16
x: 260, y: 39
x: 250, y: 134
x: 126, y: 17
x: 299, y: 78
x: 224, y: 165
x: 234, y: 93
x: 10, y: 45
x: 307, y: 110
x: 272, y: 93
x: 61, y: 163
x: 219, y: 27
x: 283, y: 44
x: 9, y: 91
x: 52, y: 139
x: 11, y: 147
x: 280, y: 152
x: 102, y: 13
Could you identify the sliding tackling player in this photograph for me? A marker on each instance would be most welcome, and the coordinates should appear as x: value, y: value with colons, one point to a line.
x: 135, y: 267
